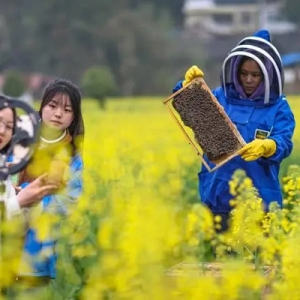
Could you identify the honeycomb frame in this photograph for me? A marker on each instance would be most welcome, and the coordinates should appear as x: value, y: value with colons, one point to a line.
x: 190, y: 134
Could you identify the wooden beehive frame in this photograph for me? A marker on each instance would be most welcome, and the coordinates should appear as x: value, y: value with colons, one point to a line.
x: 191, y: 141
x: 213, y: 268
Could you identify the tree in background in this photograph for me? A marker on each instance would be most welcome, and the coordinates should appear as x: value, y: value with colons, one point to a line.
x: 145, y: 53
x: 99, y: 83
x: 140, y: 41
x: 14, y: 85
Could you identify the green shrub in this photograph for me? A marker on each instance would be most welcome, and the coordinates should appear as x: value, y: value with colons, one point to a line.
x: 99, y: 83
x: 14, y: 85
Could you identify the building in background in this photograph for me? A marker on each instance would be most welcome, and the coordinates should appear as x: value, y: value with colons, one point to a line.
x: 218, y: 25
x: 234, y: 17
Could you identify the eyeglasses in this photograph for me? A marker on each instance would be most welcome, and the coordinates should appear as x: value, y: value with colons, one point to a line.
x: 5, y: 126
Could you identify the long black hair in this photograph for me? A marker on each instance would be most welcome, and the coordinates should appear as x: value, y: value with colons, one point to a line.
x: 5, y: 149
x: 76, y: 128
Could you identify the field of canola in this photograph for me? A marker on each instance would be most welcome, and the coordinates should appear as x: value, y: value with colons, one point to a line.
x: 140, y: 214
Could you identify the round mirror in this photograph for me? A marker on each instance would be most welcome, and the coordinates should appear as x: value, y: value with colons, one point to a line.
x: 25, y: 129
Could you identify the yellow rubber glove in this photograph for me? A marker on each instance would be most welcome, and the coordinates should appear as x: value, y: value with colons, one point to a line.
x: 192, y: 73
x: 258, y: 148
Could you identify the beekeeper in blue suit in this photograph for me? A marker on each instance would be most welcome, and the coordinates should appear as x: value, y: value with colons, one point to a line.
x: 251, y: 93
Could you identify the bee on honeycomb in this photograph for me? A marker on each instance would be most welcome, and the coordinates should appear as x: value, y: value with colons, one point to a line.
x: 211, y: 130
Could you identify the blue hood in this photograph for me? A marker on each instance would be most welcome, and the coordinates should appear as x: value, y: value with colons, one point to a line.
x: 258, y: 47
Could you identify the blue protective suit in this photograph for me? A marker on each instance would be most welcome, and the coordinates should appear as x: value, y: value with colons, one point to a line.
x: 251, y: 116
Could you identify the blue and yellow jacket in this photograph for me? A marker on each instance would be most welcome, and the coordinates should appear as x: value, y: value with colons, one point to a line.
x: 39, y: 256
